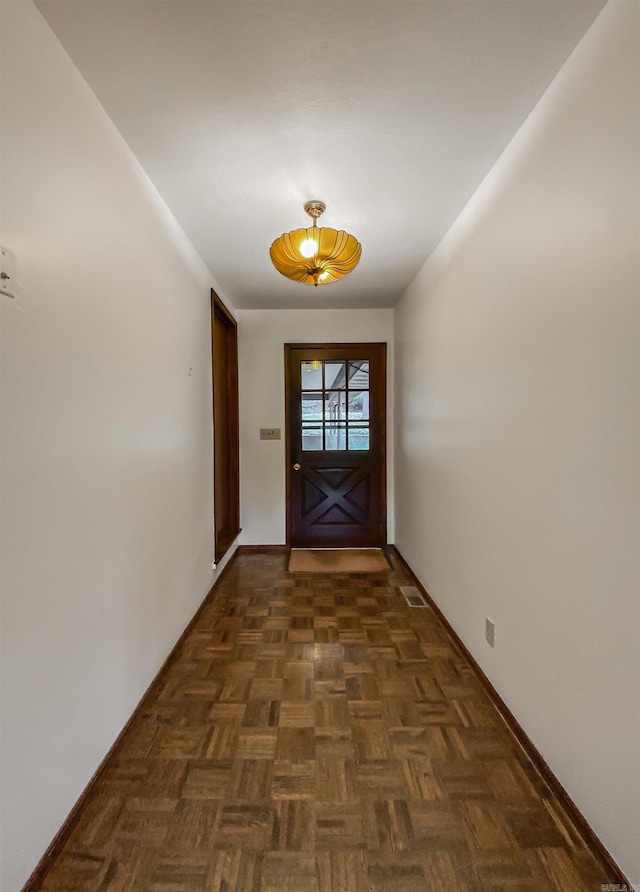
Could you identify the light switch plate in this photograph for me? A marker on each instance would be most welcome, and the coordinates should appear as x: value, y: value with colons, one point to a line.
x: 490, y: 631
x: 269, y: 433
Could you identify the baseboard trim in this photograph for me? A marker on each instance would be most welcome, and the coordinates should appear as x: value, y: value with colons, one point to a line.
x: 589, y: 836
x: 613, y: 871
x: 45, y: 864
x: 263, y: 549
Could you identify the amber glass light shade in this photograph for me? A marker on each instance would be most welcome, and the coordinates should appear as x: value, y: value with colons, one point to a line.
x: 315, y: 256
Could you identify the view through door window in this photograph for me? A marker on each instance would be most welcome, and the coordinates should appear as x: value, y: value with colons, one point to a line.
x: 335, y: 405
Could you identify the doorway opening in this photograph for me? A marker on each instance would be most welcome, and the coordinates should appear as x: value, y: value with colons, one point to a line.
x: 336, y: 445
x: 226, y: 445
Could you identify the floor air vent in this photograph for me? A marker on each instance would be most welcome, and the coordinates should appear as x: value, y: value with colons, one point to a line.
x: 412, y: 596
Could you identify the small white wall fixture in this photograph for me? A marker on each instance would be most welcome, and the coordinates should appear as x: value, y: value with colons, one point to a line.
x: 8, y: 284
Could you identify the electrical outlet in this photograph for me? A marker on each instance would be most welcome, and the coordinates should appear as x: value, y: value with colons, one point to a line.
x: 489, y: 631
x: 269, y: 433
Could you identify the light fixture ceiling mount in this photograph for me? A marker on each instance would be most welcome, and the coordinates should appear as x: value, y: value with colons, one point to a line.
x: 315, y: 208
x: 316, y: 255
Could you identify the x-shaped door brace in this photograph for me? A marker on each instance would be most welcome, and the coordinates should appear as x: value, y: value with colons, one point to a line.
x: 334, y: 494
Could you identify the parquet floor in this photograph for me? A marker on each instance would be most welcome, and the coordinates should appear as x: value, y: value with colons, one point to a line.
x: 316, y: 734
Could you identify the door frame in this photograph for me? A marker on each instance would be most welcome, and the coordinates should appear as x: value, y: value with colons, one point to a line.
x: 225, y: 428
x: 382, y: 347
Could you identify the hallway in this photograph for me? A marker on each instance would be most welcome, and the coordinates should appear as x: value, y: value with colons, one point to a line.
x: 486, y: 156
x: 316, y: 733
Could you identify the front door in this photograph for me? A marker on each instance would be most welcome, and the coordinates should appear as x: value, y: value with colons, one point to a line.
x: 336, y: 425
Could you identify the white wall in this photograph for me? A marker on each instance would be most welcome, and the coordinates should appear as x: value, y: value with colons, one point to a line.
x: 517, y: 471
x: 262, y: 335
x: 106, y: 437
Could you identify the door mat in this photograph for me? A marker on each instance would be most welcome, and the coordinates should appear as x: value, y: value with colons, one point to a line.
x: 338, y: 560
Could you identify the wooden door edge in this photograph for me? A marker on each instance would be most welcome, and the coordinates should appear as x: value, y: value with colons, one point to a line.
x: 219, y: 308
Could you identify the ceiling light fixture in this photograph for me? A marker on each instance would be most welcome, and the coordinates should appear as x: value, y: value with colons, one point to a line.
x: 316, y: 255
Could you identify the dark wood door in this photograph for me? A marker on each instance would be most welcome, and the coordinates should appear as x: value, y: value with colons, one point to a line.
x: 336, y: 420
x: 226, y: 452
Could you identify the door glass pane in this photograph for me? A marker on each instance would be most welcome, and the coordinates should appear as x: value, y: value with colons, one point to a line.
x: 335, y: 413
x: 359, y: 374
x: 334, y: 376
x: 335, y: 437
x: 311, y: 438
x: 358, y: 437
x: 335, y: 405
x: 312, y: 406
x: 311, y: 374
x: 358, y: 405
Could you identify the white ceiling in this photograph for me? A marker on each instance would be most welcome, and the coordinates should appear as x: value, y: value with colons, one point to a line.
x: 390, y: 111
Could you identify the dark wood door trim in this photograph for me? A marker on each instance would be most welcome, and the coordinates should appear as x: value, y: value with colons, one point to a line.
x: 351, y: 346
x: 226, y: 427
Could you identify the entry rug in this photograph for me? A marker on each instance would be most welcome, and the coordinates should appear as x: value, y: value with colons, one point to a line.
x: 337, y: 560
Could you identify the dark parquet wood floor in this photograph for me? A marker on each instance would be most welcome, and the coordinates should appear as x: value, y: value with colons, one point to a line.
x: 315, y: 734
